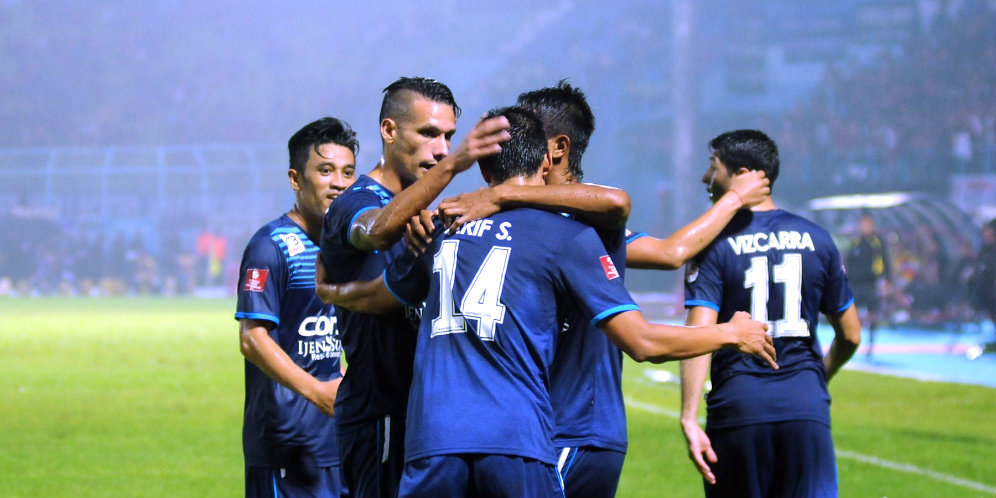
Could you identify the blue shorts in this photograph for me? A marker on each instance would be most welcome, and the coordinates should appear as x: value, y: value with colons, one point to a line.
x: 371, y: 457
x: 315, y: 482
x: 590, y: 472
x: 774, y: 460
x: 480, y: 476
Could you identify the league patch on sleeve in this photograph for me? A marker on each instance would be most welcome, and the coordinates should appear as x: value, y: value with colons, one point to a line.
x: 608, y: 267
x: 255, y: 280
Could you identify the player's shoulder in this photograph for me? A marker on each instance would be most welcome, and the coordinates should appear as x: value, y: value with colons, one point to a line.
x: 266, y: 233
x: 548, y: 221
x: 814, y: 229
x: 365, y: 187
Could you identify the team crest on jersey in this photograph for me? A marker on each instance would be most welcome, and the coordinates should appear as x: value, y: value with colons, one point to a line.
x: 691, y: 271
x: 255, y: 280
x: 294, y: 244
x: 608, y: 267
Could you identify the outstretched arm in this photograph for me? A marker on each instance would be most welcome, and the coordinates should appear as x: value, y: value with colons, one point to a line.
x: 693, y: 377
x: 657, y: 343
x: 670, y: 253
x: 847, y: 336
x: 601, y: 207
x: 379, y: 229
x: 364, y: 296
x: 260, y: 349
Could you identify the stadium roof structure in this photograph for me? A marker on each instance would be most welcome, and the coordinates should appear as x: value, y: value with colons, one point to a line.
x: 899, y: 211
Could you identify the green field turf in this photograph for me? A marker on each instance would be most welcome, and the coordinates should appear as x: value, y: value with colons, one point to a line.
x: 143, y: 397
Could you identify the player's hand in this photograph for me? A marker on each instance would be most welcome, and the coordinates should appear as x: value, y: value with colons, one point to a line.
x: 417, y: 233
x: 700, y: 450
x: 752, y: 187
x: 753, y: 338
x: 483, y: 140
x: 464, y: 208
x: 324, y: 395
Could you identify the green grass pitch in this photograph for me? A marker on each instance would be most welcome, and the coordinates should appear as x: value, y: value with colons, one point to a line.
x: 143, y: 397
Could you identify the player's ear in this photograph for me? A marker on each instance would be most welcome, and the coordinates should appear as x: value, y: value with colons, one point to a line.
x: 547, y: 164
x: 559, y: 146
x: 741, y: 171
x: 388, y: 130
x: 294, y: 177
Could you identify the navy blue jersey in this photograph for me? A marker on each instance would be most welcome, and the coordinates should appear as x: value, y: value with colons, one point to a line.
x: 277, y: 285
x: 379, y: 348
x: 489, y: 329
x: 586, y: 378
x: 785, y: 270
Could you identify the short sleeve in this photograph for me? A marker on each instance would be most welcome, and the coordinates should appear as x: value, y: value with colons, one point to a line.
x: 837, y: 294
x: 589, y: 275
x: 261, y: 281
x: 704, y: 281
x: 335, y: 245
x: 407, y: 278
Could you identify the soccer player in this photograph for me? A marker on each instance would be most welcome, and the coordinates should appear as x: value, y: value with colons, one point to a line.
x: 868, y: 273
x: 767, y: 432
x: 586, y: 378
x: 489, y: 331
x: 360, y: 236
x: 289, y: 336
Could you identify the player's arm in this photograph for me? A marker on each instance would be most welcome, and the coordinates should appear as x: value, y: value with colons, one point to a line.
x: 380, y: 228
x: 364, y: 296
x: 260, y: 349
x: 847, y: 336
x: 657, y: 343
x: 693, y: 377
x: 670, y: 253
x: 595, y: 205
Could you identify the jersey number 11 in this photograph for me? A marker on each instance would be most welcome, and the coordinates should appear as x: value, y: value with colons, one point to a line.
x: 787, y: 273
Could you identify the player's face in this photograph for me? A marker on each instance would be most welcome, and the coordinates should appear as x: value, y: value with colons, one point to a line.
x: 328, y: 173
x: 423, y: 139
x: 717, y: 178
x: 866, y: 225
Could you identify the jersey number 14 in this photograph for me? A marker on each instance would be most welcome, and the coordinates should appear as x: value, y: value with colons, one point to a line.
x: 481, y: 301
x: 787, y: 273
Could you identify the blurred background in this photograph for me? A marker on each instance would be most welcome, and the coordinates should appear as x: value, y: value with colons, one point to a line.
x: 142, y: 143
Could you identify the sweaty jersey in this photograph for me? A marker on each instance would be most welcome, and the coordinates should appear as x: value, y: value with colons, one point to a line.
x: 586, y: 377
x: 379, y: 348
x: 277, y: 285
x: 490, y: 325
x: 785, y: 270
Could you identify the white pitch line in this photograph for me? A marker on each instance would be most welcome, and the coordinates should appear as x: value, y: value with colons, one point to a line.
x: 850, y: 455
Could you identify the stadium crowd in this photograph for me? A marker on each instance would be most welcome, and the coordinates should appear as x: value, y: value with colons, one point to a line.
x: 39, y: 257
x: 858, y: 128
x: 863, y: 125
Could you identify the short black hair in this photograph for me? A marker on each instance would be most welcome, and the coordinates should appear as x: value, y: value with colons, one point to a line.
x: 522, y: 155
x: 397, y: 96
x: 317, y: 133
x: 565, y: 111
x: 749, y: 149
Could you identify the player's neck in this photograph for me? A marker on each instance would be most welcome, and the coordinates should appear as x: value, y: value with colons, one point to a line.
x: 311, y: 227
x: 534, y: 180
x: 766, y: 205
x: 385, y: 176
